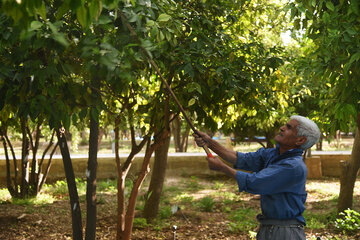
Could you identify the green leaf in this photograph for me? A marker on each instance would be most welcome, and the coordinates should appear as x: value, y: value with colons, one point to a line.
x: 163, y: 17
x: 95, y: 8
x: 154, y: 31
x: 354, y: 6
x: 62, y: 10
x: 355, y: 57
x: 66, y: 121
x: 81, y: 15
x: 191, y: 102
x: 350, y: 109
x: 150, y: 23
x: 161, y: 35
x: 188, y: 69
x: 133, y: 18
x: 42, y: 10
x: 347, y: 67
x: 35, y: 25
x: 326, y: 17
x: 330, y: 5
x: 61, y: 39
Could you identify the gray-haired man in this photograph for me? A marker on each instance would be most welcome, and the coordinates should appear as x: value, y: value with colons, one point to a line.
x: 277, y: 174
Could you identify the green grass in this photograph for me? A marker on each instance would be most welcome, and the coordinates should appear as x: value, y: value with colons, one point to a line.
x: 243, y: 220
x: 206, y: 204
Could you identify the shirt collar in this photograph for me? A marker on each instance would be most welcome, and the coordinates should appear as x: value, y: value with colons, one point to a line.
x: 291, y: 152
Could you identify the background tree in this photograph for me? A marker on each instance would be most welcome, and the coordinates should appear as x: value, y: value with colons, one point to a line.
x: 332, y: 26
x: 257, y: 105
x: 195, y: 46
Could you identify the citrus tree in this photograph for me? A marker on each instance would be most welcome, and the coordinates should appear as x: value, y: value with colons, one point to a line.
x: 334, y: 61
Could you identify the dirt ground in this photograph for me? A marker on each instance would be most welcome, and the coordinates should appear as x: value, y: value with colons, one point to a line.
x: 53, y: 221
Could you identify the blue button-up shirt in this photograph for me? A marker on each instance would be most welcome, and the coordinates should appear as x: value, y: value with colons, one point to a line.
x: 279, y: 179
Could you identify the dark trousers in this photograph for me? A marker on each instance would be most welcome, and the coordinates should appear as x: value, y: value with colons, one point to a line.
x: 273, y: 229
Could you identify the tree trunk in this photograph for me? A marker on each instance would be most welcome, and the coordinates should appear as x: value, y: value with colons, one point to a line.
x: 100, y: 137
x: 180, y: 140
x: 176, y: 129
x: 11, y: 190
x: 121, y: 184
x: 349, y: 171
x: 319, y: 145
x: 90, y: 231
x: 130, y: 213
x: 35, y: 141
x: 124, y: 224
x: 269, y: 139
x: 151, y: 207
x: 70, y: 179
x: 185, y: 139
x: 24, y: 188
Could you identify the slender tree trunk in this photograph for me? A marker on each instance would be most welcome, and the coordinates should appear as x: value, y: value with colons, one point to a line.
x: 100, y: 137
x: 90, y: 232
x: 124, y: 229
x: 176, y: 130
x: 14, y: 191
x: 130, y: 213
x: 185, y: 139
x: 34, y: 141
x: 349, y: 170
x: 24, y: 188
x: 91, y: 180
x: 41, y: 177
x: 152, y: 203
x: 269, y: 137
x: 121, y: 185
x: 319, y: 145
x: 180, y: 140
x: 8, y: 174
x: 70, y: 179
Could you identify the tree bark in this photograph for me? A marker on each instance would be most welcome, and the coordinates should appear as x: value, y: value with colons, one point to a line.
x: 12, y: 191
x: 176, y: 129
x: 185, y: 139
x: 24, y: 187
x: 121, y: 184
x: 70, y: 179
x: 269, y: 138
x: 349, y: 170
x: 152, y: 203
x: 180, y: 140
x: 124, y: 228
x: 151, y: 207
x: 130, y: 213
x: 90, y: 231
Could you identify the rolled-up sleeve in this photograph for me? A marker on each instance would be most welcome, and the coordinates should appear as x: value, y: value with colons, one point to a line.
x: 241, y: 180
x: 252, y: 161
x: 275, y: 179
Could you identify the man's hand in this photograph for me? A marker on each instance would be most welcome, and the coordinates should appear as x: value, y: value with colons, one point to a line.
x: 215, y: 163
x: 201, y: 139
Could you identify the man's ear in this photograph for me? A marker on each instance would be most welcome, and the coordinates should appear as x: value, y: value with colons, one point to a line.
x: 300, y: 140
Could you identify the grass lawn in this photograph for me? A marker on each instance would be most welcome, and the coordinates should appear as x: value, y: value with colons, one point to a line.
x: 202, y: 207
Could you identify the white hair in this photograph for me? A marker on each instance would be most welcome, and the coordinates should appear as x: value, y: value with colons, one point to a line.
x: 307, y: 128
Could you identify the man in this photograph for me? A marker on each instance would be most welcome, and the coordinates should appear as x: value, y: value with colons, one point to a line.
x: 277, y: 174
